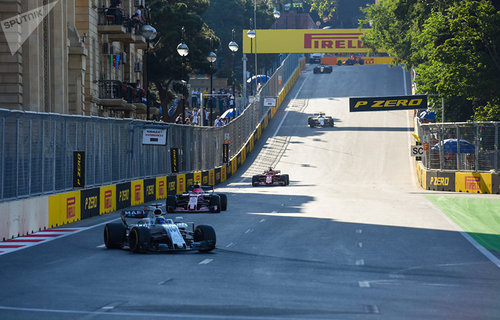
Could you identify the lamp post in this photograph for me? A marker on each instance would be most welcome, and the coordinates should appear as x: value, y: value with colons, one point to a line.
x: 251, y: 34
x: 233, y: 46
x: 212, y: 57
x: 276, y: 15
x: 149, y: 33
x: 183, y: 50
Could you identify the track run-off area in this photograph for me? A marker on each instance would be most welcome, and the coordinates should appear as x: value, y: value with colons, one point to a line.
x: 351, y: 237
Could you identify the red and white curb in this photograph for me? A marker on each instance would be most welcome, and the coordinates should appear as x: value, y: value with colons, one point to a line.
x: 37, y: 238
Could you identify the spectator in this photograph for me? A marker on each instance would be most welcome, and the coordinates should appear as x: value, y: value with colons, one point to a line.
x: 178, y: 120
x: 218, y: 122
x: 195, y: 116
x: 116, y: 10
x: 138, y: 19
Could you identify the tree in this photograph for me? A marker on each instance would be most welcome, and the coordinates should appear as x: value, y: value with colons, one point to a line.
x: 165, y: 65
x: 224, y: 15
x: 453, y: 46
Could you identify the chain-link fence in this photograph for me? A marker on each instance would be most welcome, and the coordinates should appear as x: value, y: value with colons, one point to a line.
x: 461, y: 146
x: 36, y: 149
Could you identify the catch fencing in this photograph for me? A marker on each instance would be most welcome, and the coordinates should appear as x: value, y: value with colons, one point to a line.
x: 36, y: 149
x: 478, y: 148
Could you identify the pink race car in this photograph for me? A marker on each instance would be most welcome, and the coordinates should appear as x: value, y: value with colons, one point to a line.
x: 197, y: 199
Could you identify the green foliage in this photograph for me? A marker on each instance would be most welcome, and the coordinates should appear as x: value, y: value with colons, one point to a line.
x: 453, y: 46
x: 337, y: 13
x: 165, y: 64
x: 224, y: 15
x: 489, y: 112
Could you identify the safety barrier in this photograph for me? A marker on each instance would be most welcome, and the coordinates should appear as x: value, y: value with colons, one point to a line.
x: 63, y: 208
x: 469, y: 166
x: 458, y: 181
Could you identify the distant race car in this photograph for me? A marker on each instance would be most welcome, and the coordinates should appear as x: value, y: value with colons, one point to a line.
x: 351, y: 61
x: 147, y: 230
x: 315, y: 58
x: 271, y: 178
x: 320, y: 120
x: 197, y: 199
x: 322, y: 69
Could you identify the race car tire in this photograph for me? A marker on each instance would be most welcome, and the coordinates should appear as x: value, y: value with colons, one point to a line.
x: 285, y: 179
x: 223, y: 201
x: 204, y: 233
x: 315, y: 71
x: 215, y: 203
x: 255, y: 181
x: 114, y: 235
x: 139, y: 239
x: 361, y: 62
x: 339, y: 62
x: 171, y: 203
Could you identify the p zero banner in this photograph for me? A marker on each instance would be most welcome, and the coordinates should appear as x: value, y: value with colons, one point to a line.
x: 388, y: 103
x: 440, y: 181
x: 149, y: 190
x: 174, y: 160
x: 90, y: 202
x: 225, y: 153
x: 306, y: 41
x: 78, y: 169
x: 123, y: 195
x: 171, y: 185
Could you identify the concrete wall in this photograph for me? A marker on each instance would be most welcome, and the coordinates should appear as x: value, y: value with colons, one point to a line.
x: 23, y: 217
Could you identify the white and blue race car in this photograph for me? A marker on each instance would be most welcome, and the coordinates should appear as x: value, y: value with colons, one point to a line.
x: 147, y: 230
x: 320, y: 120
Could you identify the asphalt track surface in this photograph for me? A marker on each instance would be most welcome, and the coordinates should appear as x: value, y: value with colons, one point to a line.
x: 351, y: 237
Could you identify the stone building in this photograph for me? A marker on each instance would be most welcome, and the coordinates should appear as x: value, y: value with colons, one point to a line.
x: 82, y: 58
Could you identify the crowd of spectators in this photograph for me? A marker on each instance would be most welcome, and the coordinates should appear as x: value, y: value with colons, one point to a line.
x: 213, y: 108
x: 135, y: 22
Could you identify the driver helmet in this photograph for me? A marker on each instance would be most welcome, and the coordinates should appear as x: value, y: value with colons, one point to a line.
x: 197, y: 187
x: 160, y: 220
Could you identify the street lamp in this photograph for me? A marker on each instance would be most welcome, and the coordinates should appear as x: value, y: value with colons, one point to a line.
x: 233, y: 46
x: 251, y: 34
x: 276, y: 15
x: 183, y: 50
x: 212, y: 57
x: 149, y: 33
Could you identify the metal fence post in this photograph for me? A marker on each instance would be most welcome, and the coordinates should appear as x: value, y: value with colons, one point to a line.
x: 495, y: 157
x: 476, y: 149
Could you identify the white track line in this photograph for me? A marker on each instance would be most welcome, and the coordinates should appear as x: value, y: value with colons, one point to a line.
x: 281, y: 122
x: 206, y: 261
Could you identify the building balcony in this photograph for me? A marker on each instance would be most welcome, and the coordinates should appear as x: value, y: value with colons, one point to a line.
x: 117, y: 95
x: 118, y: 27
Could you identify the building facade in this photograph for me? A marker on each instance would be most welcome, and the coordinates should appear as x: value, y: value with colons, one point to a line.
x: 84, y: 58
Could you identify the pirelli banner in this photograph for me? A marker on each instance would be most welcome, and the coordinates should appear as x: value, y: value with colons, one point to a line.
x: 306, y: 41
x: 387, y: 103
